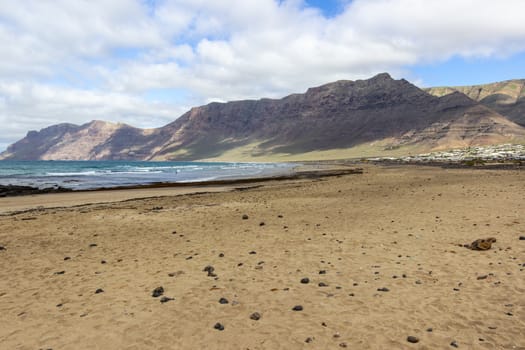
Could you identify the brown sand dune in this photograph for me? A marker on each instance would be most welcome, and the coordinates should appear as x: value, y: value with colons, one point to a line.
x: 380, y: 251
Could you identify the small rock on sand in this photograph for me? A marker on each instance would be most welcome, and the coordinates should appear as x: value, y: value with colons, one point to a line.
x: 305, y: 280
x: 245, y: 217
x: 166, y: 299
x: 157, y: 292
x: 297, y: 308
x: 522, y: 238
x: 412, y: 339
x: 384, y: 289
x: 454, y: 344
x: 218, y: 326
x: 223, y: 301
x: 98, y: 291
x: 2, y: 247
x: 255, y: 316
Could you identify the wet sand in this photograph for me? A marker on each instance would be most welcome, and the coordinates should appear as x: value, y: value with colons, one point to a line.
x: 381, y: 252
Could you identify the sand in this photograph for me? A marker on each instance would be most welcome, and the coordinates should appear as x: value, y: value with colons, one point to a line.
x: 398, y: 228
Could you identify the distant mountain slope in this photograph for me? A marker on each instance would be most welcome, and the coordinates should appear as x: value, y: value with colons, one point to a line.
x: 375, y: 116
x: 506, y: 97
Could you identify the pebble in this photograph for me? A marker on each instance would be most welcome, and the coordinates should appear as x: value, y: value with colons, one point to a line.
x: 223, y: 301
x: 103, y: 261
x: 412, y: 339
x: 305, y: 280
x: 297, y: 308
x: 322, y: 272
x: 67, y: 258
x: 93, y: 245
x: 522, y: 238
x: 429, y: 329
x: 2, y: 247
x: 100, y: 290
x: 253, y: 252
x: 482, y: 277
x: 221, y: 255
x: 218, y: 326
x: 308, y: 340
x: 166, y: 299
x: 322, y: 284
x: 60, y: 272
x: 384, y: 289
x: 245, y: 217
x: 262, y: 224
x: 255, y: 316
x: 454, y: 344
x: 157, y: 292
x: 343, y: 345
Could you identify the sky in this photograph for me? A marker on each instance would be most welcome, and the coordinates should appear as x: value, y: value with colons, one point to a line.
x: 146, y: 62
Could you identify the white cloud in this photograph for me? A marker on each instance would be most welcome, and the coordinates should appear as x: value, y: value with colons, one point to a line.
x: 79, y: 60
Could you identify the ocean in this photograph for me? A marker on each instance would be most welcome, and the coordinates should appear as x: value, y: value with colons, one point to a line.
x: 83, y: 175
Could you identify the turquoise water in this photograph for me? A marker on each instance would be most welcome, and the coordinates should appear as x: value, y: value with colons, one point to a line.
x: 81, y: 175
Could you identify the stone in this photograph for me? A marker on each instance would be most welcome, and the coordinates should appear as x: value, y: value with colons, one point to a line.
x: 454, y: 344
x: 223, y: 301
x: 412, y: 339
x: 60, y: 272
x: 157, y: 292
x: 305, y: 280
x: 218, y: 326
x: 255, y: 316
x: 384, y: 289
x: 297, y: 308
x: 93, y: 245
x: 522, y: 238
x: 308, y: 340
x: 98, y: 291
x: 166, y: 299
x: 245, y: 217
x: 322, y: 284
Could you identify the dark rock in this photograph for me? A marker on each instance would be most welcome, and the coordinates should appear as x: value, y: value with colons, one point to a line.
x: 412, y: 339
x: 166, y: 299
x: 245, y: 217
x: 253, y: 252
x: 2, y: 247
x: 98, y: 291
x: 223, y: 301
x: 209, y: 269
x: 67, y: 258
x: 308, y: 340
x: 218, y: 326
x: 262, y: 224
x: 482, y: 277
x: 157, y: 292
x: 255, y: 316
x: 103, y: 261
x: 384, y: 289
x: 60, y: 305
x: 429, y: 329
x: 221, y: 255
x: 93, y: 245
x: 522, y: 238
x: 297, y: 308
x: 322, y: 284
x: 322, y: 272
x: 343, y: 345
x: 454, y: 344
x: 60, y: 272
x: 305, y: 280
x: 280, y: 216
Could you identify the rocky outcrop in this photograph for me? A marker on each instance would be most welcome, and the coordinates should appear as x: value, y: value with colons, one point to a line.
x: 506, y: 97
x: 339, y: 115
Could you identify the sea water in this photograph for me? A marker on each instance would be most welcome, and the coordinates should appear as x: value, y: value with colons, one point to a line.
x: 81, y: 175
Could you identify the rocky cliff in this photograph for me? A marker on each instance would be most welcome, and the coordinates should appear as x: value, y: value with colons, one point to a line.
x: 506, y: 97
x: 381, y: 114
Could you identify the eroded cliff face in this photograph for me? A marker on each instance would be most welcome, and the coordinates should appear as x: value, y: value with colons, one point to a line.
x: 506, y: 97
x: 340, y: 115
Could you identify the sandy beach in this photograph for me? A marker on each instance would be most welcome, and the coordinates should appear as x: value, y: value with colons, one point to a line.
x: 358, y: 261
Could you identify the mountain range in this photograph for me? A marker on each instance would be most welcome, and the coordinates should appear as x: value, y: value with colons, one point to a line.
x: 374, y: 117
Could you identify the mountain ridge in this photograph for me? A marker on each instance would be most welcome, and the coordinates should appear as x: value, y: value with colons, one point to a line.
x: 343, y: 118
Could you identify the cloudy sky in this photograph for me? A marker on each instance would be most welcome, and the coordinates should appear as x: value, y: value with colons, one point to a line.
x: 145, y: 62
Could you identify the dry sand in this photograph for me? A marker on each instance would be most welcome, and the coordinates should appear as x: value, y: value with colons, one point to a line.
x: 391, y: 227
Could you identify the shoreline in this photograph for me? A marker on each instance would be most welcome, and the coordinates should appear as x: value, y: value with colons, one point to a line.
x: 45, y: 199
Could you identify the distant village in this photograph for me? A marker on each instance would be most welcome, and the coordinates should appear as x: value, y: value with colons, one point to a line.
x: 478, y: 154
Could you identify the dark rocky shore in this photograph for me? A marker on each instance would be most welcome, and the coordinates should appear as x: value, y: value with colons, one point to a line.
x: 12, y: 190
